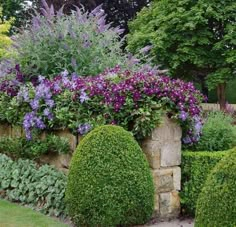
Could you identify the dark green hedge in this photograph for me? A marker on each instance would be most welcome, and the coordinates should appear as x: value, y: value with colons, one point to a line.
x: 195, y: 169
x: 216, y: 205
x: 109, y: 181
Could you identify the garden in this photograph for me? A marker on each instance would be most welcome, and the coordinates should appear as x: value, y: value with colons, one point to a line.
x: 101, y: 121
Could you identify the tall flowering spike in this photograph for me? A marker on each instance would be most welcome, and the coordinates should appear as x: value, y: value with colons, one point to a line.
x: 97, y: 10
x: 45, y: 5
x: 60, y: 12
x: 146, y: 49
x: 52, y: 12
x: 35, y: 23
x: 119, y: 30
x: 47, y: 11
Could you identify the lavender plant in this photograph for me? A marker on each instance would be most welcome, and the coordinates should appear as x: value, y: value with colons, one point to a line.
x: 81, y: 42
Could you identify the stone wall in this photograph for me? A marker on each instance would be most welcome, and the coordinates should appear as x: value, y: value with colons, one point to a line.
x: 162, y: 149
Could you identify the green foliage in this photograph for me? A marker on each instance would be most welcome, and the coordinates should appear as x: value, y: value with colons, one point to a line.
x: 23, y: 148
x: 42, y: 188
x: 109, y: 180
x: 195, y: 169
x: 190, y: 38
x: 218, y: 133
x: 216, y: 205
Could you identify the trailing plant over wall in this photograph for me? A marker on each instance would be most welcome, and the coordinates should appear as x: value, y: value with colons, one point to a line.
x: 133, y: 100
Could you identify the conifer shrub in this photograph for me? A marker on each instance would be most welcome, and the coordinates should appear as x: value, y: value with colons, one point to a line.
x: 216, y: 204
x: 109, y: 181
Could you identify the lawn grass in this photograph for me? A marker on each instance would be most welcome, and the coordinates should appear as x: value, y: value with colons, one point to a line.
x: 12, y: 215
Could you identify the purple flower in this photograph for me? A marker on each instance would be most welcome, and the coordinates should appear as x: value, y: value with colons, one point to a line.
x: 65, y: 73
x: 28, y: 135
x: 23, y: 93
x: 84, y: 128
x: 187, y: 140
x: 34, y: 104
x: 41, y: 79
x: 46, y: 112
x: 83, y: 97
x: 50, y: 103
x: 183, y: 115
x: 39, y: 123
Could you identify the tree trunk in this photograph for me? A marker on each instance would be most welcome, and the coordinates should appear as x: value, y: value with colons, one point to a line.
x: 204, y: 88
x: 221, y: 90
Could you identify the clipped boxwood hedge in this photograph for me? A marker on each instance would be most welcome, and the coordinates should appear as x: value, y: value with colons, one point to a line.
x: 195, y: 168
x: 216, y: 205
x: 109, y: 180
x: 42, y: 188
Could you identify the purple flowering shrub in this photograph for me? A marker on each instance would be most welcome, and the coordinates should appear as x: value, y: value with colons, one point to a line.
x: 81, y: 42
x: 133, y: 100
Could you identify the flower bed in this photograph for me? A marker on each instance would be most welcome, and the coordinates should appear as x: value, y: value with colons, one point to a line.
x: 133, y: 100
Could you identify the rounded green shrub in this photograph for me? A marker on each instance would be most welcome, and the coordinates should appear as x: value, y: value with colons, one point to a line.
x: 216, y: 204
x: 109, y: 180
x: 218, y: 133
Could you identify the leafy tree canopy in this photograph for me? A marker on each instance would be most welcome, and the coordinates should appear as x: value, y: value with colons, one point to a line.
x: 193, y: 39
x: 19, y: 9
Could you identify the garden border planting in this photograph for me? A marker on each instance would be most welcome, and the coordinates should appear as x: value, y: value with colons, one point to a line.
x: 195, y: 168
x: 163, y: 152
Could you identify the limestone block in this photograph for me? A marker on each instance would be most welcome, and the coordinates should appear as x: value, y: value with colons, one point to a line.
x: 59, y: 161
x: 16, y: 131
x: 64, y: 160
x: 67, y: 134
x: 5, y: 130
x: 163, y: 132
x: 156, y: 204
x: 167, y: 131
x: 177, y: 132
x: 169, y: 204
x: 171, y: 154
x: 163, y: 180
x: 177, y: 178
x: 152, y: 151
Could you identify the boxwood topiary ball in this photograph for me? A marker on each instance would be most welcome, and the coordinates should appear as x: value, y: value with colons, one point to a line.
x: 109, y: 180
x: 216, y: 204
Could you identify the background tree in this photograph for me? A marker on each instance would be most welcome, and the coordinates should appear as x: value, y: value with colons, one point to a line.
x: 193, y: 39
x: 5, y: 41
x: 20, y: 10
